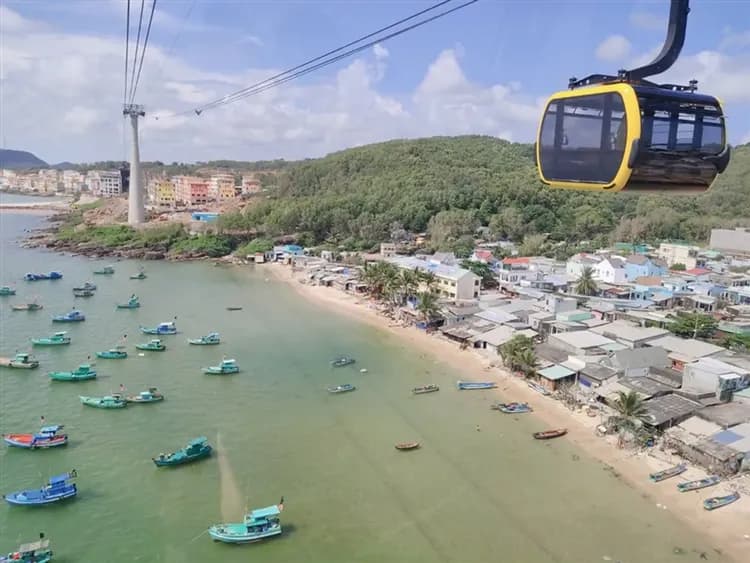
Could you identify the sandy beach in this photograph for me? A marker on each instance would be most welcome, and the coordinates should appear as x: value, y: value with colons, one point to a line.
x: 728, y: 528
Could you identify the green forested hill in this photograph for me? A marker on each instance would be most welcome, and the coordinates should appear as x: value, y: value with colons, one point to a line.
x: 449, y: 186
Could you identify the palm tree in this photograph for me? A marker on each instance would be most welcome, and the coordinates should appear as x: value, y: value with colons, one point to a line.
x: 428, y: 305
x: 586, y: 284
x: 515, y: 353
x: 429, y: 281
x: 526, y: 361
x: 630, y: 407
x: 409, y: 281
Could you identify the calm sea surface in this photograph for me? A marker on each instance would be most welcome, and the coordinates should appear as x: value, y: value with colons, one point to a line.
x: 465, y: 497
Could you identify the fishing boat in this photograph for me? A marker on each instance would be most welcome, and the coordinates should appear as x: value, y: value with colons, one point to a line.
x: 512, y: 408
x: 88, y: 286
x: 709, y: 481
x: 33, y: 552
x: 22, y: 360
x: 112, y: 354
x: 667, y: 473
x: 6, y: 291
x: 161, y: 329
x: 27, y: 307
x: 139, y: 276
x: 259, y: 524
x: 57, y: 339
x: 107, y: 402
x: 234, y: 308
x: 155, y: 345
x: 345, y: 388
x: 342, y: 361
x: 404, y: 446
x: 549, y: 434
x: 210, y: 339
x: 58, y: 488
x: 538, y: 388
x: 47, y: 437
x: 431, y: 388
x: 717, y: 502
x: 150, y: 396
x: 74, y: 316
x: 469, y: 385
x: 195, y: 450
x: 224, y: 368
x: 40, y: 277
x: 83, y: 293
x: 132, y: 303
x: 105, y: 271
x: 81, y: 373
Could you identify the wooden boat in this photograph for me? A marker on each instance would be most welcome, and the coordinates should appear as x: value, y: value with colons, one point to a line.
x: 259, y: 524
x: 33, y: 552
x: 470, y: 385
x: 138, y: 276
x: 210, y: 339
x: 105, y: 271
x: 345, y: 388
x: 404, y: 446
x: 234, y: 308
x: 342, y: 361
x: 549, y: 434
x: 47, y: 437
x: 88, y: 286
x: 58, y: 488
x: 27, y: 307
x: 74, y: 316
x: 224, y: 368
x: 39, y: 277
x: 667, y: 473
x: 83, y: 293
x: 431, y: 388
x: 709, y: 481
x: 57, y: 339
x: 161, y: 329
x: 150, y: 396
x: 154, y: 345
x: 512, y: 408
x: 112, y: 354
x: 81, y: 373
x: 538, y: 388
x: 107, y: 402
x: 717, y: 502
x: 195, y: 450
x: 22, y: 360
x: 132, y: 303
x: 5, y: 291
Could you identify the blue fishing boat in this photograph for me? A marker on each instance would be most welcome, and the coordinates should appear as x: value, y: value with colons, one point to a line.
x: 342, y: 361
x: 667, y: 473
x: 40, y: 277
x: 345, y: 388
x: 161, y: 328
x: 258, y: 525
x: 470, y: 385
x: 512, y: 408
x: 47, y: 437
x: 59, y: 488
x: 33, y: 552
x: 195, y: 450
x: 717, y: 502
x: 75, y: 316
x: 709, y: 481
x: 6, y: 291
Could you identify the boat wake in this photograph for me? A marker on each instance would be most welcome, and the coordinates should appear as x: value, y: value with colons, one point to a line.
x: 230, y: 494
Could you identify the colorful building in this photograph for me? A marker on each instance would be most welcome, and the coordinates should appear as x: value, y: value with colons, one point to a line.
x: 191, y: 190
x: 164, y: 193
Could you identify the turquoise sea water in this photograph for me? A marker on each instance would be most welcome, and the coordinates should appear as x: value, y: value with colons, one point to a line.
x: 465, y: 497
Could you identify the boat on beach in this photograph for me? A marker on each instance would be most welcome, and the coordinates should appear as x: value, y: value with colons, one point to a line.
x: 668, y: 473
x: 210, y: 339
x: 538, y: 388
x: 75, y: 316
x: 196, y: 449
x: 342, y: 361
x: 107, y: 402
x: 5, y: 291
x: 549, y: 434
x: 47, y: 437
x: 431, y: 388
x: 405, y: 446
x: 58, y: 488
x: 152, y: 395
x: 57, y: 339
x: 22, y: 360
x: 345, y: 388
x: 81, y: 373
x: 713, y: 503
x: 709, y: 481
x: 88, y: 286
x: 259, y: 524
x: 112, y: 354
x: 40, y: 277
x: 33, y: 552
x: 161, y: 329
x: 224, y: 368
x: 132, y: 303
x: 155, y: 345
x: 105, y: 271
x: 512, y: 408
x: 470, y: 385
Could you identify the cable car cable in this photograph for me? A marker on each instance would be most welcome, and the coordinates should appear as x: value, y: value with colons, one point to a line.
x: 127, y: 54
x: 143, y: 51
x: 135, y: 56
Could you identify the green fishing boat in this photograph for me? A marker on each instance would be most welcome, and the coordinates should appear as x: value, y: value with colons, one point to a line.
x: 108, y: 402
x: 210, y: 339
x: 155, y: 345
x: 57, y: 339
x: 81, y: 373
x: 112, y: 354
x: 105, y: 271
x: 22, y: 360
x: 151, y: 396
x: 5, y: 291
x: 195, y: 450
x: 132, y: 303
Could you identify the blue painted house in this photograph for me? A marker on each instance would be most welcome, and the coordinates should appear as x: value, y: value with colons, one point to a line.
x: 638, y: 266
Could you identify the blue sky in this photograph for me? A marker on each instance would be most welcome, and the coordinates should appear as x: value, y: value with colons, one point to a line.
x: 485, y: 69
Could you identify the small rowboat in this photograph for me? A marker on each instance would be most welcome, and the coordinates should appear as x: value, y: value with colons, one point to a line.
x: 431, y: 388
x: 512, y: 408
x: 150, y: 396
x: 549, y: 434
x: 345, y: 388
x: 709, y: 481
x: 667, y: 473
x: 37, y: 551
x: 234, y: 308
x: 342, y: 361
x: 404, y: 446
x: 113, y: 354
x: 717, y: 502
x: 57, y: 489
x: 47, y: 437
x: 195, y: 450
x: 471, y: 385
x: 154, y: 346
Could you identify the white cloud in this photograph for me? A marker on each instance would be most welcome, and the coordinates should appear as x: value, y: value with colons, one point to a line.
x: 647, y: 20
x: 735, y: 40
x: 380, y: 51
x: 80, y: 119
x: 613, y: 49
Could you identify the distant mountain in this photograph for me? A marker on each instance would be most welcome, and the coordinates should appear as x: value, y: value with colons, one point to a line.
x: 64, y: 166
x: 19, y: 160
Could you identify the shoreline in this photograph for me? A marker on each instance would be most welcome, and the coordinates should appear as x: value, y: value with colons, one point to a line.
x: 728, y: 530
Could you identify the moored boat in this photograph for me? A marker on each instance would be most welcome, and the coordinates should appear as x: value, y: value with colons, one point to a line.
x: 549, y: 434
x: 512, y: 408
x: 83, y: 293
x: 81, y: 373
x: 431, y: 388
x: 27, y: 307
x: 75, y: 316
x: 404, y: 446
x: 58, y: 488
x: 225, y: 367
x: 88, y: 286
x: 105, y: 271
x: 112, y: 354
x: 345, y: 388
x: 107, y: 402
x: 161, y: 328
x: 151, y: 396
x: 709, y: 481
x: 57, y: 339
x: 470, y: 385
x: 22, y: 360
x: 713, y: 503
x: 132, y: 303
x: 210, y: 339
x: 6, y: 291
x: 155, y: 345
x: 342, y: 361
x: 234, y: 308
x: 196, y: 449
x: 259, y: 524
x: 33, y: 552
x: 667, y: 473
x: 39, y: 277
x: 47, y: 437
x: 139, y: 276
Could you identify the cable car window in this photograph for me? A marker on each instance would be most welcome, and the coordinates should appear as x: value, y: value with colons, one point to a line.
x: 713, y: 134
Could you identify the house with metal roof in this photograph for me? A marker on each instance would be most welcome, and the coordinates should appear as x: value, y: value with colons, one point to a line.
x: 453, y: 282
x: 668, y: 410
x: 711, y: 375
x: 638, y: 361
x: 578, y: 342
x: 555, y: 376
x: 629, y: 334
x: 640, y: 265
x: 685, y: 350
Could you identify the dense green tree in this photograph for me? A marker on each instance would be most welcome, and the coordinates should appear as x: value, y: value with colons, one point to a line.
x: 446, y: 227
x: 586, y: 284
x: 693, y: 325
x: 427, y: 305
x: 518, y: 354
x: 533, y: 245
x: 678, y: 267
x: 485, y: 273
x: 630, y: 408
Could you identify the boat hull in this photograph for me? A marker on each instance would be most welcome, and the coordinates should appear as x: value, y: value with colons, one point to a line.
x: 99, y: 404
x: 424, y: 390
x: 717, y: 502
x: 149, y: 348
x: 158, y: 332
x: 47, y: 342
x: 220, y: 371
x: 139, y: 400
x: 471, y: 386
x: 512, y: 408
x: 128, y: 305
x: 69, y: 376
x: 68, y: 319
x: 172, y: 462
x: 698, y: 484
x: 668, y: 473
x: 27, y: 441
x: 112, y: 355
x: 23, y: 365
x: 237, y: 533
x: 36, y: 498
x: 200, y: 342
x: 550, y: 434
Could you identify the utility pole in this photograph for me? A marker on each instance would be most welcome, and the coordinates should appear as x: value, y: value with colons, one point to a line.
x: 136, y: 211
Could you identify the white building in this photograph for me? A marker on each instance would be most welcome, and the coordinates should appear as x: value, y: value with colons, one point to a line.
x: 732, y: 241
x: 104, y: 183
x: 72, y: 181
x: 48, y: 181
x: 575, y: 265
x: 453, y: 282
x: 610, y: 270
x: 679, y: 253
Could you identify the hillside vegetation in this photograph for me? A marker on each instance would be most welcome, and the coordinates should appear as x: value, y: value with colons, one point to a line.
x: 450, y: 186
x: 20, y: 160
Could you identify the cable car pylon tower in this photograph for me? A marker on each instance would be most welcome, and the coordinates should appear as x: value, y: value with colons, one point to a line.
x: 136, y: 211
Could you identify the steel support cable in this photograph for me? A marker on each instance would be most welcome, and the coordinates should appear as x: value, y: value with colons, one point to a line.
x: 127, y: 55
x: 143, y: 51
x: 137, y: 43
